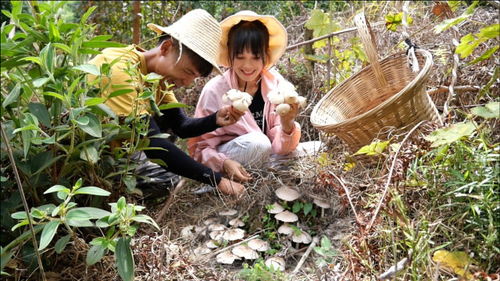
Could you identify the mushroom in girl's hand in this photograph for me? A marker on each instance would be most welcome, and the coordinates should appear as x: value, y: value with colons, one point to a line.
x: 226, y: 257
x: 240, y: 100
x: 284, y: 97
x: 276, y: 263
x: 283, y: 109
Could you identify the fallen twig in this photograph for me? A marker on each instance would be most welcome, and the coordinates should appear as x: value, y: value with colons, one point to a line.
x: 348, y: 196
x: 386, y: 187
x: 165, y: 208
x: 393, y: 270
x: 306, y: 254
x: 445, y: 89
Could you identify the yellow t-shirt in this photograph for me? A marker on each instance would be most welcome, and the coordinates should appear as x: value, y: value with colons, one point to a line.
x: 129, y: 57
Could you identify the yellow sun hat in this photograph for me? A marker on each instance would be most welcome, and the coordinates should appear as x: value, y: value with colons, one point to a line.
x: 199, y: 31
x: 278, y: 37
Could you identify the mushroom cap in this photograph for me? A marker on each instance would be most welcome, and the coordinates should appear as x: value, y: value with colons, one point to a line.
x: 202, y: 250
x: 210, y: 221
x: 285, y: 229
x: 233, y: 234
x: 228, y: 212
x: 226, y: 257
x: 236, y: 222
x: 303, y: 237
x: 276, y: 263
x: 276, y: 208
x: 287, y: 193
x: 258, y: 245
x: 211, y: 244
x: 217, y: 226
x: 245, y: 252
x: 216, y: 235
x: 286, y: 216
x: 321, y: 203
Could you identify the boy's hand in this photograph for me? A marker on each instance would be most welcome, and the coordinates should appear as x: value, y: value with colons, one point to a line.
x: 234, y: 170
x: 230, y: 187
x: 227, y: 116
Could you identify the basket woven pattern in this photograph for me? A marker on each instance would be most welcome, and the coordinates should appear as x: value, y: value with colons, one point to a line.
x: 371, y: 103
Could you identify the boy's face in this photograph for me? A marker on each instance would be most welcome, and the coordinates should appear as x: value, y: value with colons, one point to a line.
x: 181, y: 73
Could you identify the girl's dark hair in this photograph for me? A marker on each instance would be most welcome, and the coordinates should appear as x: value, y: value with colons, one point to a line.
x: 202, y: 65
x: 251, y: 35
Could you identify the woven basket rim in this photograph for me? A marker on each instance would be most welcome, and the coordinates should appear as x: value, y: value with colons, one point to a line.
x: 422, y: 73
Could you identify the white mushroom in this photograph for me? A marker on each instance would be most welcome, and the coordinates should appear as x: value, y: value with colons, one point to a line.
x: 236, y: 222
x: 302, y: 237
x: 217, y: 226
x: 228, y: 212
x: 275, y: 208
x: 275, y: 97
x: 211, y: 244
x: 245, y: 252
x: 286, y: 216
x: 216, y: 235
x: 210, y: 221
x: 258, y: 245
x: 322, y: 204
x: 283, y: 109
x: 226, y: 257
x: 291, y: 97
x: 285, y: 229
x: 276, y: 263
x: 240, y: 100
x: 188, y: 231
x: 302, y: 101
x: 287, y: 193
x: 233, y: 234
x: 202, y: 250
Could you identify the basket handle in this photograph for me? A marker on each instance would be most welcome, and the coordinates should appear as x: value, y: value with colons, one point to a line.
x: 368, y: 40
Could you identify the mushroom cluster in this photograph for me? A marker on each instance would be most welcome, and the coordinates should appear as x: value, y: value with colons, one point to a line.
x: 284, y: 96
x: 240, y: 100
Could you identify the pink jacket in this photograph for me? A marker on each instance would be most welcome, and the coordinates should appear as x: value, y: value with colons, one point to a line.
x: 204, y: 148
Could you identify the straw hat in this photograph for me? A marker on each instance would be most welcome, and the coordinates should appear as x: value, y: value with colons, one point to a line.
x: 197, y: 30
x: 278, y: 37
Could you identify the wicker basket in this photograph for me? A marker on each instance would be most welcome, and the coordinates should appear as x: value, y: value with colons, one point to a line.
x: 384, y: 96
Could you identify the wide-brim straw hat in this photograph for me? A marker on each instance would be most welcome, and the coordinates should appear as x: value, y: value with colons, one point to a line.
x: 197, y: 30
x: 278, y: 37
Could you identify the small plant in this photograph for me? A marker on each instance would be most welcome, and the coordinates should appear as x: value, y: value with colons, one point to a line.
x: 260, y: 272
x: 326, y: 252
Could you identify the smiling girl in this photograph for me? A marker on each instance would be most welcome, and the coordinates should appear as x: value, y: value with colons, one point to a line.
x: 251, y: 44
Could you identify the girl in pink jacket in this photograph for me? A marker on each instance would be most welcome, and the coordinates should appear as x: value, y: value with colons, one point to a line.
x: 251, y: 44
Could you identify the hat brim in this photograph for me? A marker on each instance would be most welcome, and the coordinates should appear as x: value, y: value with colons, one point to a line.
x: 278, y: 37
x: 161, y: 29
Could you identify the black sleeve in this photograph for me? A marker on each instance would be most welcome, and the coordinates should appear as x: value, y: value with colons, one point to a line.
x: 184, y: 126
x: 177, y: 160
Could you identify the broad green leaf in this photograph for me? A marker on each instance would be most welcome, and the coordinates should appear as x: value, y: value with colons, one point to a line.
x: 124, y: 259
x: 94, y: 101
x: 486, y: 55
x: 93, y: 128
x: 94, y: 213
x: 61, y: 243
x: 102, y: 38
x: 95, y: 254
x: 152, y: 77
x: 13, y: 96
x: 451, y: 134
x: 79, y: 223
x: 120, y: 92
x: 130, y: 181
x: 145, y: 95
x: 77, y: 214
x: 467, y: 45
x: 19, y: 215
x: 92, y: 190
x: 145, y: 219
x: 39, y: 82
x: 47, y: 55
x: 89, y: 154
x: 41, y: 113
x: 88, y: 68
x: 57, y: 188
x: 307, y: 208
x: 490, y: 110
x: 297, y: 206
x: 63, y: 47
x: 42, y: 161
x: 36, y: 60
x: 101, y: 44
x: 172, y: 105
x: 54, y: 32
x: 48, y: 232
x: 325, y: 243
x: 55, y: 95
x: 491, y: 31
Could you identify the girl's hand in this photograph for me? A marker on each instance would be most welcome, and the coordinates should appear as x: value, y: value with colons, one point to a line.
x: 288, y: 119
x: 230, y: 187
x: 234, y: 170
x: 227, y: 116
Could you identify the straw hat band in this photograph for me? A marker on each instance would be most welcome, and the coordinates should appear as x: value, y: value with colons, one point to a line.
x: 198, y: 31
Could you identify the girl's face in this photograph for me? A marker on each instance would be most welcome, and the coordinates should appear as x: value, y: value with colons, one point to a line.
x: 247, y: 66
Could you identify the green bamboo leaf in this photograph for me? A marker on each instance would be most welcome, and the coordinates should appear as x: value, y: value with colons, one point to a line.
x: 172, y: 105
x: 48, y: 232
x: 39, y: 82
x: 94, y: 101
x: 19, y: 215
x: 54, y: 32
x: 55, y: 95
x: 63, y: 47
x: 61, y: 243
x: 87, y: 14
x: 486, y: 55
x: 95, y: 254
x: 36, y: 60
x: 92, y: 190
x: 102, y: 44
x: 13, y: 96
x: 120, y: 92
x: 145, y: 219
x: 57, y: 188
x: 102, y: 38
x: 88, y: 68
x: 491, y: 31
x: 124, y: 259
